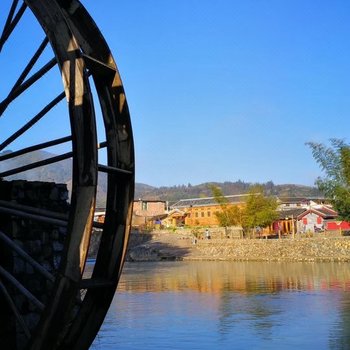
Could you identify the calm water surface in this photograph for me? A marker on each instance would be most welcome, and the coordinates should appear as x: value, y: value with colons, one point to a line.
x: 229, y: 305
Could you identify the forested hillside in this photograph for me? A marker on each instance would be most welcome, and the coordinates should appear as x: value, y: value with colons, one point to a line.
x: 61, y: 173
x: 175, y: 193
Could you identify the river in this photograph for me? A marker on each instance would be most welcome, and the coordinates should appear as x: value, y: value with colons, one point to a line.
x: 229, y: 305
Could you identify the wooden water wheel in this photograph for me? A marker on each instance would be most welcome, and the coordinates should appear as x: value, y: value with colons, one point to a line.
x: 71, y: 317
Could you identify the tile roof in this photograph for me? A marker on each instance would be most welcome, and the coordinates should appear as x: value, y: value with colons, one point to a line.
x: 325, y: 213
x: 289, y: 213
x: 198, y: 202
x: 296, y: 200
x: 298, y: 213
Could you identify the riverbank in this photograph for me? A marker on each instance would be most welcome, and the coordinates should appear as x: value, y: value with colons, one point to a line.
x: 159, y: 246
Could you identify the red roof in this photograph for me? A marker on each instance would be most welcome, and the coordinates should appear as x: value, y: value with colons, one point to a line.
x: 324, y: 212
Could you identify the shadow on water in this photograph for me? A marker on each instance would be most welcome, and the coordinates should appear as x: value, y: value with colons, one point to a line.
x: 153, y: 247
x: 148, y: 247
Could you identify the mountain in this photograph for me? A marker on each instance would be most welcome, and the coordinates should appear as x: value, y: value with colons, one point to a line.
x: 58, y: 172
x: 175, y: 193
x: 61, y: 173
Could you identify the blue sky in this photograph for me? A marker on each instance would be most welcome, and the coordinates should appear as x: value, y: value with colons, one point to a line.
x: 230, y: 90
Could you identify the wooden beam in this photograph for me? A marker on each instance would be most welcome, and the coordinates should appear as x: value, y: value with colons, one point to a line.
x: 24, y: 255
x: 14, y: 310
x: 22, y: 289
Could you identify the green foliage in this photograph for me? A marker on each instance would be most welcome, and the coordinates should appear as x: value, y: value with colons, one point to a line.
x: 335, y: 162
x: 218, y: 195
x: 259, y: 210
x: 229, y: 215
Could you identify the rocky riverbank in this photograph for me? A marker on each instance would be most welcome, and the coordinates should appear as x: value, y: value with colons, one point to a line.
x: 182, y: 246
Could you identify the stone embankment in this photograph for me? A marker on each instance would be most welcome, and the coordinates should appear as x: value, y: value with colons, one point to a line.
x: 183, y: 246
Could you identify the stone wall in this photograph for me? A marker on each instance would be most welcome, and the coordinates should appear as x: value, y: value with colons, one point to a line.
x: 44, y: 242
x: 304, y: 249
x: 182, y: 245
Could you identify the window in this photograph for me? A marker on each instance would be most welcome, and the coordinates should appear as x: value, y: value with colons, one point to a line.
x: 196, y: 215
x: 202, y: 214
x: 144, y: 206
x: 304, y: 221
x: 208, y: 213
x: 319, y: 220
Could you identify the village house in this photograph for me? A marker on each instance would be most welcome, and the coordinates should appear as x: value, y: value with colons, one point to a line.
x: 285, y: 203
x: 304, y: 215
x: 174, y: 218
x: 201, y: 211
x: 144, y: 211
x: 148, y: 211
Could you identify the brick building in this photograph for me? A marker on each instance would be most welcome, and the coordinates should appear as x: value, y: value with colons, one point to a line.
x: 201, y: 211
x: 145, y: 210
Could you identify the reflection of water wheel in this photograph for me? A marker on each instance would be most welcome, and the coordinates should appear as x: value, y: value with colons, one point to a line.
x: 86, y: 65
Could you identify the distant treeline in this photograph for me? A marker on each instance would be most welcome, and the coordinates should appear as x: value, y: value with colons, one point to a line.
x: 175, y: 193
x: 61, y: 173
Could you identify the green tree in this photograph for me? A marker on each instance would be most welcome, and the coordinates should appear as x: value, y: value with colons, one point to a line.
x: 259, y: 210
x: 229, y: 215
x: 335, y: 162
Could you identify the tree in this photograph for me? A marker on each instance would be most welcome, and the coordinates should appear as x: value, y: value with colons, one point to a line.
x: 260, y: 211
x: 229, y: 215
x: 335, y: 162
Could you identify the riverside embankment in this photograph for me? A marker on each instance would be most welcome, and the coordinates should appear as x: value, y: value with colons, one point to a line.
x: 157, y: 246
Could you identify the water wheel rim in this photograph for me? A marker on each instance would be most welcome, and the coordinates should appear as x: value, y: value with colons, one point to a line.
x: 76, y: 61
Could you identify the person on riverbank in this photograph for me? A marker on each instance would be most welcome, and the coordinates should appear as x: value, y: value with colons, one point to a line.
x: 194, y: 240
x: 207, y: 234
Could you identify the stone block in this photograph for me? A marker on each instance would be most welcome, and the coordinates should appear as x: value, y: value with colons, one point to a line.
x: 34, y: 247
x: 29, y: 270
x: 18, y: 265
x: 57, y: 246
x: 56, y: 261
x: 47, y: 251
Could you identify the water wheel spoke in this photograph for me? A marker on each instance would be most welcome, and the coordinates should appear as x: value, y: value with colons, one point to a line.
x: 5, y: 274
x: 11, y: 21
x: 35, y: 217
x: 30, y: 64
x: 113, y: 170
x: 97, y: 224
x: 92, y: 283
x: 14, y: 309
x: 34, y: 210
x: 38, y: 164
x: 99, y: 67
x: 102, y: 145
x: 36, y: 147
x: 26, y: 84
x: 32, y: 122
x: 11, y: 244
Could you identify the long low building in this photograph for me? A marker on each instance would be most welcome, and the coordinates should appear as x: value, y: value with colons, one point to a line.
x: 201, y: 211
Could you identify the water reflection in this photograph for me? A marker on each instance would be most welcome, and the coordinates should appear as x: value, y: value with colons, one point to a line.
x: 224, y: 305
x: 340, y: 338
x: 241, y: 277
